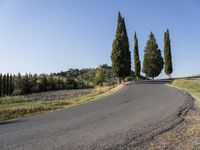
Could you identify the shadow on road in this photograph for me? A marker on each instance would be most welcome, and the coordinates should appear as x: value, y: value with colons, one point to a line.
x: 10, y: 122
x: 154, y: 82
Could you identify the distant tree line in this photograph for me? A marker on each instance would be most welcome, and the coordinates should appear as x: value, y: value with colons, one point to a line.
x: 101, y: 75
x: 28, y: 83
x: 153, y: 62
x: 71, y: 79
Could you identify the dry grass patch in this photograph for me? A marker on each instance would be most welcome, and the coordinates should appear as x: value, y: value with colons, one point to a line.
x: 16, y: 107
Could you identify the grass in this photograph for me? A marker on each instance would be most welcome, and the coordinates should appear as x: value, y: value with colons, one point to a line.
x: 185, y: 136
x: 190, y: 85
x: 18, y: 106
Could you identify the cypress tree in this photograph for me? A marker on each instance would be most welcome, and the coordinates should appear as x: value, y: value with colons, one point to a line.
x: 136, y: 58
x: 0, y: 85
x: 167, y: 54
x: 13, y: 83
x: 4, y: 85
x: 33, y: 83
x: 43, y: 82
x: 51, y: 82
x: 126, y: 49
x: 17, y: 84
x: 120, y: 56
x: 25, y: 84
x: 7, y: 84
x: 10, y: 84
x: 153, y: 61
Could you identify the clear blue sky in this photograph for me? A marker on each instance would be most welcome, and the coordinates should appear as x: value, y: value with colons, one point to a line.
x: 52, y: 35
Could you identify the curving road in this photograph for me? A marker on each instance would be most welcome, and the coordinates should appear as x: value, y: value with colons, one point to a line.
x: 122, y: 120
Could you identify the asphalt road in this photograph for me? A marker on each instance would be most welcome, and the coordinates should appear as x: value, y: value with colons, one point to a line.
x: 122, y: 120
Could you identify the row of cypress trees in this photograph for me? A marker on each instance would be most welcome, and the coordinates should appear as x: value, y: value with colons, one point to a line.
x: 6, y: 84
x: 153, y: 62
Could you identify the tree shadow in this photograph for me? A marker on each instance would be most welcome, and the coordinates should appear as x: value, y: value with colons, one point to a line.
x: 10, y: 122
x: 154, y: 82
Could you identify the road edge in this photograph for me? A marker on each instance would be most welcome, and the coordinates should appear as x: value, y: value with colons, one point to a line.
x: 168, y: 124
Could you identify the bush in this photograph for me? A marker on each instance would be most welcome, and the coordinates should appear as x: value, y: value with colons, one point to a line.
x: 99, y: 77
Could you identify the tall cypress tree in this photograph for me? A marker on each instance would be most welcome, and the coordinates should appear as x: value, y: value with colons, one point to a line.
x: 153, y: 61
x: 127, y: 70
x: 136, y: 58
x: 120, y: 56
x: 0, y: 85
x: 167, y: 54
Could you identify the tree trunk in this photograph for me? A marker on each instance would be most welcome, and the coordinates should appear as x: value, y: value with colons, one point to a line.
x: 123, y: 80
x: 137, y: 78
x: 119, y: 80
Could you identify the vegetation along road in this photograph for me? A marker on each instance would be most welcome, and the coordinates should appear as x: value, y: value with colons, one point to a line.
x: 122, y: 120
